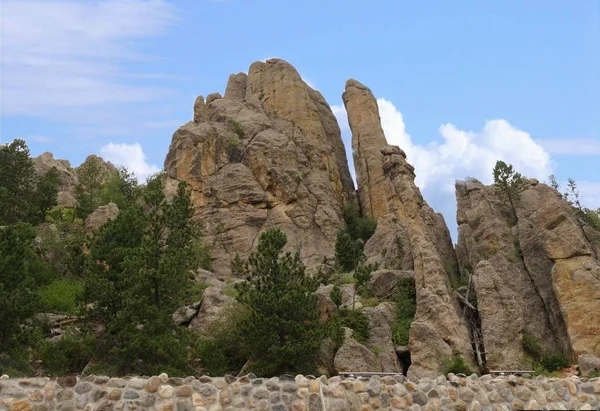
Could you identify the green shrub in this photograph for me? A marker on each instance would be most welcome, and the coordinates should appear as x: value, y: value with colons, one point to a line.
x: 358, y: 322
x: 401, y: 331
x: 359, y: 227
x: 456, y: 365
x: 518, y: 248
x: 532, y: 346
x: 68, y: 355
x: 406, y: 305
x: 551, y: 363
x: 235, y: 127
x: 594, y: 374
x: 61, y: 296
x: 336, y: 296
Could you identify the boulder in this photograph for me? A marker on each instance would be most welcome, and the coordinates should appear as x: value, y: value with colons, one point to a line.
x: 588, y: 363
x: 267, y: 154
x: 100, y: 217
x: 211, y: 308
x: 383, y: 282
x: 381, y: 320
x: 352, y: 356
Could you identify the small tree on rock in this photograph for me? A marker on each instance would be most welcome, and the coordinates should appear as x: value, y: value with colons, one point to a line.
x: 509, y: 185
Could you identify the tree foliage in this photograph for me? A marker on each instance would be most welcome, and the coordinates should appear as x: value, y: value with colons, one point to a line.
x: 282, y: 330
x: 138, y: 273
x: 91, y: 177
x: 509, y: 185
x: 46, y: 193
x: 17, y: 181
x: 22, y: 273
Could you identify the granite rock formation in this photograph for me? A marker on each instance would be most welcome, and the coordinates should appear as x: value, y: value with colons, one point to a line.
x: 267, y: 154
x: 386, y: 190
x: 545, y: 275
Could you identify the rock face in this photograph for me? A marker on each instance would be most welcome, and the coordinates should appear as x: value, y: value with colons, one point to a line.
x: 352, y: 356
x: 210, y: 309
x: 543, y: 267
x: 381, y: 321
x: 68, y: 177
x: 387, y: 191
x: 269, y: 153
x: 100, y: 217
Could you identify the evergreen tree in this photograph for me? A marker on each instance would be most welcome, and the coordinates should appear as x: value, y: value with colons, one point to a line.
x: 91, y: 177
x: 17, y: 178
x: 509, y: 185
x: 348, y: 251
x: 138, y: 274
x: 22, y: 272
x: 283, y: 331
x: 336, y: 296
x: 238, y: 267
x: 121, y: 188
x: 46, y: 193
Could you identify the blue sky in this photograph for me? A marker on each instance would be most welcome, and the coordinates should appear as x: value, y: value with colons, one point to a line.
x: 459, y: 83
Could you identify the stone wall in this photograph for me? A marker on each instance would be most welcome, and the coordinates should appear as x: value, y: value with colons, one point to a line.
x: 299, y: 393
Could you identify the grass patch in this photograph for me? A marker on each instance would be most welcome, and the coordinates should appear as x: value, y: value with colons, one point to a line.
x: 368, y: 301
x: 61, y: 296
x: 456, y: 365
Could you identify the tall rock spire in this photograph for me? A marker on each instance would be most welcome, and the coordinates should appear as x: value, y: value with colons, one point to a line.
x: 387, y: 192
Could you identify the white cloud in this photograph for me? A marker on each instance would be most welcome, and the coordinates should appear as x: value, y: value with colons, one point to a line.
x: 576, y: 146
x: 458, y: 154
x: 131, y: 156
x: 64, y: 54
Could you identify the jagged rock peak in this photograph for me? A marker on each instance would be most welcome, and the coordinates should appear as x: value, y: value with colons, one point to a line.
x: 267, y: 153
x: 387, y: 192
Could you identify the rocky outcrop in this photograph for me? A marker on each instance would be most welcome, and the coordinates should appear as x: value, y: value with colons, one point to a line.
x: 381, y: 320
x: 213, y: 305
x: 384, y: 282
x: 543, y: 267
x: 387, y: 190
x: 352, y: 356
x: 501, y: 319
x: 100, y: 217
x: 268, y: 153
x: 68, y: 177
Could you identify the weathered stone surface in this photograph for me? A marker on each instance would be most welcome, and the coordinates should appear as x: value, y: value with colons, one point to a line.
x: 353, y: 356
x: 545, y: 259
x: 68, y: 177
x: 501, y: 319
x: 101, y: 216
x: 269, y: 155
x: 588, y: 363
x: 214, y: 301
x: 387, y: 190
x: 381, y: 321
x: 384, y: 282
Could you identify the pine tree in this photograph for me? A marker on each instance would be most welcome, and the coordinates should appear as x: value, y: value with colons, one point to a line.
x: 348, y: 251
x: 46, y: 193
x: 509, y: 185
x: 91, y: 175
x: 17, y: 178
x: 336, y: 296
x: 138, y: 273
x: 22, y: 272
x: 283, y: 331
